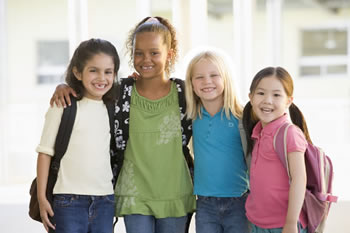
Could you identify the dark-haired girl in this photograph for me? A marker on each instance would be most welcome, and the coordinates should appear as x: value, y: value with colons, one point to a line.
x: 274, y: 205
x: 83, y: 194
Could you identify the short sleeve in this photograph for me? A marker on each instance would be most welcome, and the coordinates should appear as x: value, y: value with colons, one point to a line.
x: 296, y: 140
x: 48, y: 137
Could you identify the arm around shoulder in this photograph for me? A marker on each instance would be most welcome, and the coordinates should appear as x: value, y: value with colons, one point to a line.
x: 61, y: 95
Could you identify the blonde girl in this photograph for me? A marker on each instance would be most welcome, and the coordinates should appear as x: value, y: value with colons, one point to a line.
x: 274, y: 204
x: 220, y: 175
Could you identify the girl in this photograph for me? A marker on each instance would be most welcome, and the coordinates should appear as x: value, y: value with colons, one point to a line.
x: 83, y: 199
x: 273, y: 204
x: 220, y: 175
x: 154, y: 188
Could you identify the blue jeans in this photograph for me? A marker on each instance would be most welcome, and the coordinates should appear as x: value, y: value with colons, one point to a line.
x: 137, y: 223
x: 83, y: 213
x: 256, y: 229
x: 221, y: 215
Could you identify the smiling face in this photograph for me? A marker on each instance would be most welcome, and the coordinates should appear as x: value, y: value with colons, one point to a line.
x: 269, y: 100
x: 150, y: 55
x: 207, y: 83
x: 97, y: 76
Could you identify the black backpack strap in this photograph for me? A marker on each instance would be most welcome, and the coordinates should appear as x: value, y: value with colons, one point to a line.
x: 61, y: 144
x: 186, y: 125
x: 64, y: 133
x: 121, y: 125
x: 111, y: 108
x: 112, y: 147
x: 124, y: 109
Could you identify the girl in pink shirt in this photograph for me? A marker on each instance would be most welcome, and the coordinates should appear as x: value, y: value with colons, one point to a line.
x: 274, y: 205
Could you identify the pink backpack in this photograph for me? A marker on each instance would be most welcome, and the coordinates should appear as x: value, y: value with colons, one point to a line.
x: 319, y: 170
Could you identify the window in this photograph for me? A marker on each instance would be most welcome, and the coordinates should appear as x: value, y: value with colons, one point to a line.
x: 324, y: 52
x: 53, y: 57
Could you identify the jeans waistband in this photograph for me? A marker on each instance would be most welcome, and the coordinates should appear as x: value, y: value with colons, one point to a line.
x: 86, y: 197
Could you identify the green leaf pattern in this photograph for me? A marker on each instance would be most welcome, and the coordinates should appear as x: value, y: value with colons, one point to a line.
x: 169, y: 128
x: 126, y: 187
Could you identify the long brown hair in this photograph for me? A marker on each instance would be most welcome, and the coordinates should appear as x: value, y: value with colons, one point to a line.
x: 250, y: 119
x: 85, y: 51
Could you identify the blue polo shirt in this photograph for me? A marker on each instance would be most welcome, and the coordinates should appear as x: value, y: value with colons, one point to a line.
x: 220, y: 169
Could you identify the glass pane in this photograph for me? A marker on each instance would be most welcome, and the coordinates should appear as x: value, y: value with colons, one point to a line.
x: 47, y: 79
x: 53, y: 57
x: 53, y: 53
x: 337, y: 69
x: 324, y: 42
x: 310, y: 70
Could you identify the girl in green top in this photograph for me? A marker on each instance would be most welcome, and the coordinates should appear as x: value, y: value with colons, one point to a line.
x: 154, y: 191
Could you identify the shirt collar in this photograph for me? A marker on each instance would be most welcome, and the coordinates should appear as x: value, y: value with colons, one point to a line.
x: 205, y: 113
x: 270, y: 128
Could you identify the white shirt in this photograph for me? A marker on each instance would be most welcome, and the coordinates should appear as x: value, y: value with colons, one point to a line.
x: 85, y: 168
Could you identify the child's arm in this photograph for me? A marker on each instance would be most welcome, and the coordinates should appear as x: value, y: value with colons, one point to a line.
x: 61, y: 95
x: 43, y: 166
x: 297, y: 190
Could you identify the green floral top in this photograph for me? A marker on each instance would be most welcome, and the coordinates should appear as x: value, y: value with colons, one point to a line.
x: 154, y: 179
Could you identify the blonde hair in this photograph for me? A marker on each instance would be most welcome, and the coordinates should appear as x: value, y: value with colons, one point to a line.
x: 194, y: 104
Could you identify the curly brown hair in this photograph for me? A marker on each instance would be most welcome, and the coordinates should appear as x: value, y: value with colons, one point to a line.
x: 162, y: 26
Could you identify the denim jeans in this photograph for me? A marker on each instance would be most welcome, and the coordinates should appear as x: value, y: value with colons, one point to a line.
x: 137, y: 223
x: 256, y: 229
x: 83, y: 213
x: 221, y: 215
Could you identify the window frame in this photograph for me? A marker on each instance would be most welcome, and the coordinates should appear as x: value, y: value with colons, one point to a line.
x: 326, y: 60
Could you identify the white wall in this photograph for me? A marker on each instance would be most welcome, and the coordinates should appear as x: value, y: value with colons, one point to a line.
x: 325, y: 100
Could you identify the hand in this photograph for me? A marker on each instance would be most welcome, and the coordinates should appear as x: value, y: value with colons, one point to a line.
x: 45, y: 212
x: 290, y: 228
x: 134, y: 76
x: 61, y: 95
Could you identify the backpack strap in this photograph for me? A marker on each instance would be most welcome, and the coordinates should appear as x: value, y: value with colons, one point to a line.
x: 61, y: 144
x: 111, y: 110
x: 186, y: 125
x: 280, y: 145
x: 247, y: 157
x: 63, y: 135
x: 122, y: 112
x: 121, y: 126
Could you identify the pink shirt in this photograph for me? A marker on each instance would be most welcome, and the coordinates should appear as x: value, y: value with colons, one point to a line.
x: 267, y: 202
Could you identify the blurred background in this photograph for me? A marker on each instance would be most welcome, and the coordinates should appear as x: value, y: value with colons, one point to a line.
x: 310, y: 38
